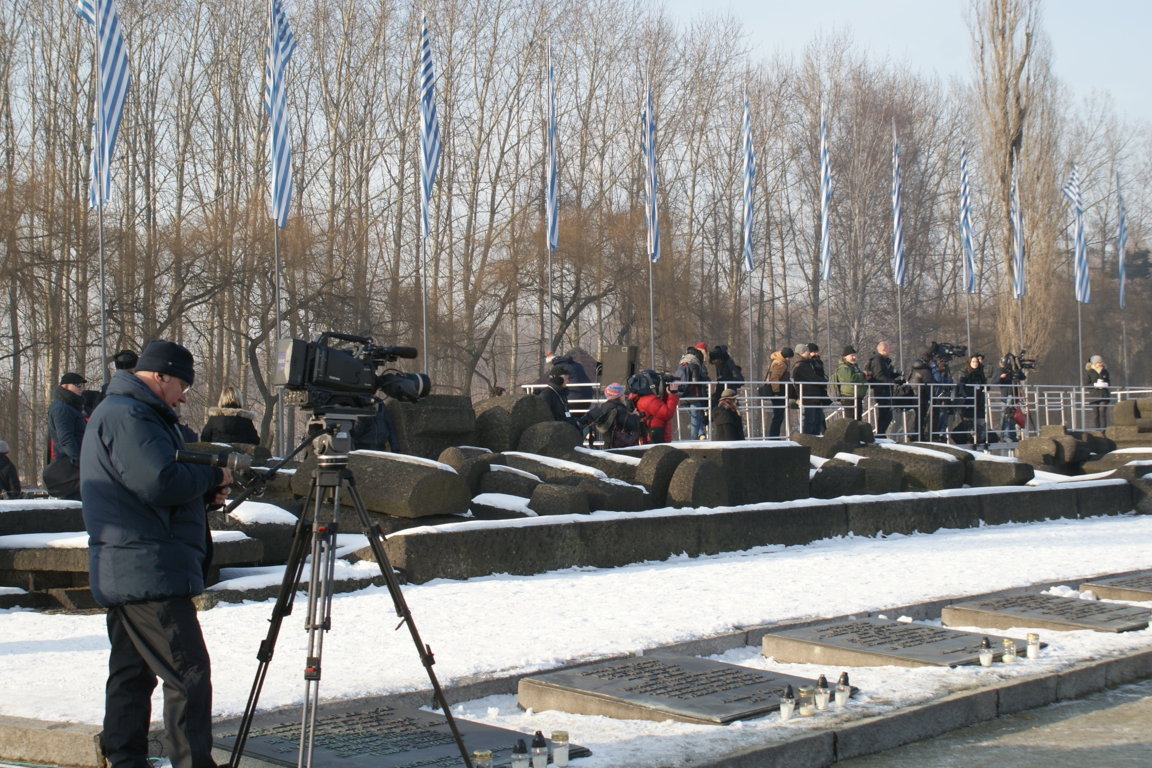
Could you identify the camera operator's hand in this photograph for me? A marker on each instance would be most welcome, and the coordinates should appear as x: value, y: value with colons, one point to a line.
x: 217, y: 496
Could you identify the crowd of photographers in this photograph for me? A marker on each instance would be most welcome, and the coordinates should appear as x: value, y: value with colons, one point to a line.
x: 945, y: 394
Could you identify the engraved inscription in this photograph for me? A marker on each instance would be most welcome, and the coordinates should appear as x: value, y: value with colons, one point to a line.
x: 378, y: 732
x: 1141, y: 582
x: 1072, y: 609
x: 897, y: 637
x: 661, y: 679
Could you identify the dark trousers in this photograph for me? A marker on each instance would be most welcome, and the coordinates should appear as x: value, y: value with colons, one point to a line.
x: 159, y: 639
x: 779, y: 411
x: 882, y: 400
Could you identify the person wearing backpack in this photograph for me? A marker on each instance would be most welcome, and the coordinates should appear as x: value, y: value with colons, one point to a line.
x: 690, y: 373
x: 848, y: 384
x: 613, y: 421
x: 656, y: 408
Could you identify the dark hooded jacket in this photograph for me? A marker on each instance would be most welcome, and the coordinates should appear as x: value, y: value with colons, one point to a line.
x: 143, y: 510
x: 230, y: 425
x: 66, y: 424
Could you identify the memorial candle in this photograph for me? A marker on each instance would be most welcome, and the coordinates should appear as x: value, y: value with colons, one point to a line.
x: 1033, y: 645
x: 539, y: 751
x: 481, y: 758
x: 560, y: 748
x: 520, y: 754
x: 985, y: 653
x: 805, y: 701
x: 787, y: 703
x: 822, y: 693
x: 843, y: 690
x: 1009, y: 651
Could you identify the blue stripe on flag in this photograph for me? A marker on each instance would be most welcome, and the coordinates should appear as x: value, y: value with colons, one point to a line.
x: 430, y: 147
x: 651, y: 177
x: 551, y: 192
x: 114, y: 80
x: 967, y: 250
x: 897, y: 224
x: 825, y: 200
x: 1019, y: 289
x: 749, y: 182
x: 1121, y: 241
x: 278, y: 52
x: 1071, y: 190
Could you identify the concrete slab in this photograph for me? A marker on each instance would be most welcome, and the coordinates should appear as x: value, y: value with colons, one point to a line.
x: 1046, y: 612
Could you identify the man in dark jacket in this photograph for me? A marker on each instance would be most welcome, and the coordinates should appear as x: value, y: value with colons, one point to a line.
x: 66, y: 425
x: 693, y: 387
x: 148, y: 551
x: 812, y: 389
x: 556, y: 395
x: 727, y: 423
x: 883, y: 376
x: 728, y: 374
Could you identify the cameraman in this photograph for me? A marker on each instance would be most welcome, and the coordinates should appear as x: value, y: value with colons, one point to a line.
x: 1009, y: 377
x: 148, y: 551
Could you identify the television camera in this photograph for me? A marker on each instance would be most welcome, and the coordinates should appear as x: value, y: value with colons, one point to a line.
x: 320, y: 377
x: 944, y: 351
x: 1015, y: 365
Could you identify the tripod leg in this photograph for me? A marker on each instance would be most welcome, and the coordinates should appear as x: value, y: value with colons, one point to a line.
x: 288, y: 586
x: 375, y: 536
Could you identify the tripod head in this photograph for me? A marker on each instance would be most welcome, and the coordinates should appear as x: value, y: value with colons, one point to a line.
x: 330, y: 432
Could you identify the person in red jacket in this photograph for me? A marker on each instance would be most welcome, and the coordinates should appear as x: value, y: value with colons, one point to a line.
x: 656, y: 411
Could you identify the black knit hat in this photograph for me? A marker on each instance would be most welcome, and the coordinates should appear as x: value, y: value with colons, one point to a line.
x: 168, y: 357
x: 812, y: 347
x: 848, y: 350
x: 787, y: 352
x: 125, y: 360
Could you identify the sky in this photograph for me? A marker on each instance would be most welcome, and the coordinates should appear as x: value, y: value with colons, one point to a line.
x: 1096, y: 47
x: 503, y: 625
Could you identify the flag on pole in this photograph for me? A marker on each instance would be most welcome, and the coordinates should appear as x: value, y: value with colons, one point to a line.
x: 651, y: 177
x: 278, y: 52
x: 897, y: 224
x: 429, y: 126
x: 749, y: 182
x: 1018, y: 287
x: 113, y: 79
x: 1121, y: 240
x: 551, y: 193
x: 825, y: 200
x: 1071, y: 190
x: 967, y: 251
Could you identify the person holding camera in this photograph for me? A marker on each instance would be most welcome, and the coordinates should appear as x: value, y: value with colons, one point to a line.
x: 1009, y: 377
x: 657, y: 407
x: 148, y: 554
x: 1097, y: 380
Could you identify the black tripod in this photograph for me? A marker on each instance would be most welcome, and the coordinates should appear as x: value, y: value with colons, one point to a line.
x: 329, y: 434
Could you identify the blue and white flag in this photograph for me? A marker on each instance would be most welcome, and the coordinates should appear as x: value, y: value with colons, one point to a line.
x: 551, y: 192
x: 825, y: 200
x: 113, y: 79
x: 1071, y: 190
x: 749, y: 182
x: 1121, y: 241
x: 967, y: 251
x: 429, y: 127
x: 1018, y: 286
x: 278, y: 53
x: 651, y: 176
x: 897, y: 224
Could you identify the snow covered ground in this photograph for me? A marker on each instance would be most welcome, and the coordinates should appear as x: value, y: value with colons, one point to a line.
x: 53, y: 666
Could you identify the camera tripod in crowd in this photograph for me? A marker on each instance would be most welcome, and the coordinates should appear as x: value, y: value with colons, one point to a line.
x: 315, y: 535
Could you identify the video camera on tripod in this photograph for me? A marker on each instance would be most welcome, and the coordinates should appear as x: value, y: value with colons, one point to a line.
x: 317, y: 376
x: 1015, y: 365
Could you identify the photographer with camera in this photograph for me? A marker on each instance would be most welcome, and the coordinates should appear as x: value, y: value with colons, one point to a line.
x: 148, y: 552
x: 1010, y: 377
x: 656, y: 398
x: 1097, y: 380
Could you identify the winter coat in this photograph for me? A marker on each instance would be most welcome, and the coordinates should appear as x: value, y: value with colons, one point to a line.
x: 66, y: 424
x: 879, y: 369
x: 609, y: 419
x: 848, y: 381
x: 812, y: 384
x: 1096, y: 393
x: 556, y: 396
x: 143, y: 510
x: 9, y: 478
x: 375, y: 433
x: 230, y: 425
x: 779, y: 370
x: 727, y: 423
x: 691, y: 371
x: 656, y: 411
x: 973, y: 390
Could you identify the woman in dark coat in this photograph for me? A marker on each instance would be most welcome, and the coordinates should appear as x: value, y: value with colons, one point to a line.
x: 228, y: 422
x: 727, y: 423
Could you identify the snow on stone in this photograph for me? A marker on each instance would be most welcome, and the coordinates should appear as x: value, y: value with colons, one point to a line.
x: 504, y: 501
x: 253, y: 512
x: 514, y: 471
x: 567, y: 466
x: 408, y: 459
x: 619, y: 458
x: 921, y: 450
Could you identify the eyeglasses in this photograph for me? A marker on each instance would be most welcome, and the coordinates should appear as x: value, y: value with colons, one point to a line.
x: 183, y: 387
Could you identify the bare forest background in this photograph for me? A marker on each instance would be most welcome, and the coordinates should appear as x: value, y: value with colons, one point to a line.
x: 188, y: 238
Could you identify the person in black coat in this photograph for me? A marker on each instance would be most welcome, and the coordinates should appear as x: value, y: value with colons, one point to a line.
x: 148, y: 552
x: 727, y: 423
x: 1097, y: 380
x: 228, y: 422
x: 883, y: 376
x: 973, y: 401
x: 922, y: 377
x: 728, y: 374
x: 556, y: 395
x: 9, y: 477
x: 66, y: 425
x: 811, y: 389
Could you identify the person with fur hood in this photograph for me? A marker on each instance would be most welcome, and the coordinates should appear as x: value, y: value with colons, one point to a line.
x: 228, y: 422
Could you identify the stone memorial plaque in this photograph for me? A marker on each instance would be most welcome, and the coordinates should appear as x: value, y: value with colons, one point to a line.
x: 879, y: 642
x: 382, y: 737
x: 658, y: 687
x: 1137, y: 588
x: 1061, y: 614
